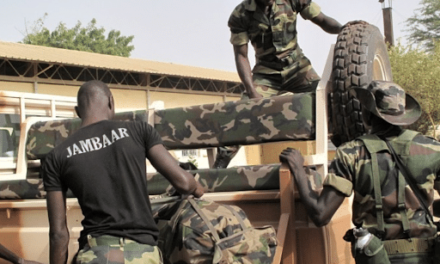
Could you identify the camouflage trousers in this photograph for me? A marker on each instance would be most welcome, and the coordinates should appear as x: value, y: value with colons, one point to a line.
x: 116, y: 250
x: 411, y: 258
x: 290, y: 79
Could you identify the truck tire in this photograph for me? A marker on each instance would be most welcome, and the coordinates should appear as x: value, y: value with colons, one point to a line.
x: 360, y: 56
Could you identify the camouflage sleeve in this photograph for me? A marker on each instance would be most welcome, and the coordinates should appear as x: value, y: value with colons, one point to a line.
x: 341, y: 169
x: 300, y: 5
x: 311, y: 11
x: 426, y: 150
x: 238, y: 24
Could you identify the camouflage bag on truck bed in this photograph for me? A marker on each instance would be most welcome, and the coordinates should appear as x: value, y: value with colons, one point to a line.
x: 202, y: 232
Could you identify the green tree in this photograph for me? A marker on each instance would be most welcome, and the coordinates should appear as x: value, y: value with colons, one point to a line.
x: 193, y: 160
x: 424, y: 26
x: 89, y: 38
x: 418, y: 72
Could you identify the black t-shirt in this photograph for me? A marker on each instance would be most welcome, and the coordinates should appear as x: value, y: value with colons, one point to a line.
x: 105, y: 167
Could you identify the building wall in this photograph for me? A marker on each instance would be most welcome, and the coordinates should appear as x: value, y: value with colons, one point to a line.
x: 54, y: 89
x: 17, y: 87
x: 131, y: 99
x: 126, y: 99
x: 172, y: 100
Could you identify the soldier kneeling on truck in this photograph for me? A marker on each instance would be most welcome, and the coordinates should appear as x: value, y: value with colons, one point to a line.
x: 393, y: 173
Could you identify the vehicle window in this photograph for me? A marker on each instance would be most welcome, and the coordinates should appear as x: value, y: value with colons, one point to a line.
x: 9, y: 134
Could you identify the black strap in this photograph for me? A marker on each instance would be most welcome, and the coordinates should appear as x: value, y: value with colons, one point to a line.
x: 409, y: 180
x: 378, y: 197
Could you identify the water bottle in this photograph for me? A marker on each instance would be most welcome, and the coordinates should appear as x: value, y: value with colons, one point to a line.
x: 362, y: 238
x: 368, y: 249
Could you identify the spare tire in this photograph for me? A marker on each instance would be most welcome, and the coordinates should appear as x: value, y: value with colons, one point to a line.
x: 360, y: 56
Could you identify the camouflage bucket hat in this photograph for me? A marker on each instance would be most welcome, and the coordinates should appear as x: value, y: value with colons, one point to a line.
x: 389, y: 101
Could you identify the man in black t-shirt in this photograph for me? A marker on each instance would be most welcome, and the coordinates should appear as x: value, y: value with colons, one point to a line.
x: 104, y: 165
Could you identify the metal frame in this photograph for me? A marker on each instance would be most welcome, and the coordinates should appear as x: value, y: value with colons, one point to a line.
x: 287, y: 249
x: 31, y: 104
x: 57, y: 73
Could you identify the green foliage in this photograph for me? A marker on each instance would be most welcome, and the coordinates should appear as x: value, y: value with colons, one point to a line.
x: 193, y: 160
x: 418, y: 72
x: 89, y: 38
x: 424, y: 26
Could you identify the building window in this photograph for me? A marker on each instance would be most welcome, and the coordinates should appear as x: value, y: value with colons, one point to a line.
x: 190, y: 153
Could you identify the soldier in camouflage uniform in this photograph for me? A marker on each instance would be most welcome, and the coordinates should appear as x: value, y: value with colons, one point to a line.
x: 104, y: 165
x: 280, y: 63
x: 271, y: 28
x: 407, y: 231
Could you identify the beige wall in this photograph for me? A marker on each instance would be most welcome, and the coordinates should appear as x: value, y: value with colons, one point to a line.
x: 126, y: 100
x: 253, y: 154
x: 17, y: 87
x: 172, y: 100
x: 270, y: 152
x: 54, y: 89
x: 232, y: 98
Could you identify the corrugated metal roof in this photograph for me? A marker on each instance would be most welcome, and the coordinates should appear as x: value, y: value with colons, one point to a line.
x: 26, y: 52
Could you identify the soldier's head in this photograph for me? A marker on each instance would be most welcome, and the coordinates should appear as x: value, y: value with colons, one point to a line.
x: 95, y: 101
x: 387, y: 101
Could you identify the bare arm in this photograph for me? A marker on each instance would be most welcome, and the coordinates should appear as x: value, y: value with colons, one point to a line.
x: 320, y: 208
x: 244, y: 69
x: 328, y: 24
x: 8, y: 255
x: 11, y: 257
x: 58, y: 233
x: 166, y: 165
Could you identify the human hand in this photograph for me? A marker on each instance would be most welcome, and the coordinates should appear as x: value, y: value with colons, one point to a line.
x: 199, y: 191
x: 293, y: 158
x: 255, y: 95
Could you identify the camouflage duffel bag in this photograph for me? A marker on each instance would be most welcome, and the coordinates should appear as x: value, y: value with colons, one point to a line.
x: 202, y: 231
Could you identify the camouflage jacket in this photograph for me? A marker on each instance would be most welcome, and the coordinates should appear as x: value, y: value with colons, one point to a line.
x: 274, y: 37
x: 351, y: 170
